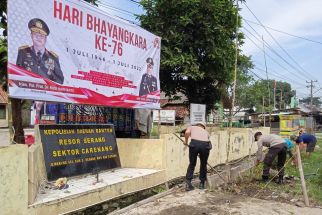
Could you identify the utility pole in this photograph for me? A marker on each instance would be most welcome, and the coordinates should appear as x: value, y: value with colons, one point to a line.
x: 311, y: 94
x: 263, y: 116
x: 268, y: 85
x: 281, y: 99
x: 311, y: 86
x: 234, y: 94
x: 274, y: 95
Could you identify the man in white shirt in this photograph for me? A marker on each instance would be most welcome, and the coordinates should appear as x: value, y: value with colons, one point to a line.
x: 199, y: 145
x: 276, y: 147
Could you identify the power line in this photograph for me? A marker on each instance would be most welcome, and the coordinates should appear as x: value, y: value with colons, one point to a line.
x: 277, y: 42
x: 135, y: 2
x: 283, y: 32
x: 280, y: 77
x: 121, y: 12
x: 287, y: 80
x: 283, y: 77
x: 272, y: 50
x: 269, y: 56
x: 255, y: 74
x: 117, y: 8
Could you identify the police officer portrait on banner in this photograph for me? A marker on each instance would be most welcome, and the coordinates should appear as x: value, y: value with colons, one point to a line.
x: 149, y: 82
x: 37, y: 58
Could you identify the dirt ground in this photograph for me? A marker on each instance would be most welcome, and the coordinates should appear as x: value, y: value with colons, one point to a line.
x: 204, y: 202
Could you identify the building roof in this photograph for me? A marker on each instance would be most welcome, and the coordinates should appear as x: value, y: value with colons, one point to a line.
x: 3, y: 96
x: 301, y: 109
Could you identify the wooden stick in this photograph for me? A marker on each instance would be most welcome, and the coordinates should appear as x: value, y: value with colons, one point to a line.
x: 299, y: 162
x: 213, y: 169
x: 159, y: 124
x: 10, y: 122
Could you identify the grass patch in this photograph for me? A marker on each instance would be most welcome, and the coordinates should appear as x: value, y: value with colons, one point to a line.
x: 291, y: 189
x: 312, y: 168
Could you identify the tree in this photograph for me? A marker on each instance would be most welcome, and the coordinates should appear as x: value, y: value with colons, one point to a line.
x: 253, y: 94
x: 198, y: 49
x: 284, y: 94
x: 244, y: 82
x: 94, y: 2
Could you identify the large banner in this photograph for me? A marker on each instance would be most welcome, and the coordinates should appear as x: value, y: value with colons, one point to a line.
x: 69, y: 51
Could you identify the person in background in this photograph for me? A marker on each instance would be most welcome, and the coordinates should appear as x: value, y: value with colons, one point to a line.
x: 307, y: 141
x: 199, y: 145
x: 289, y: 151
x: 301, y: 131
x: 276, y: 147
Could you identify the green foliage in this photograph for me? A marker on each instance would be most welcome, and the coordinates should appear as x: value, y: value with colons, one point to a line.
x: 3, y: 62
x: 318, y: 179
x: 94, y: 2
x: 3, y: 44
x: 159, y: 189
x: 244, y: 82
x: 312, y: 172
x: 198, y: 49
x: 3, y: 17
x: 251, y: 95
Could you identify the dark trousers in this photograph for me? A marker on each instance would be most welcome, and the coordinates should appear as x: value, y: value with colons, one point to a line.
x: 279, y: 151
x: 310, y: 146
x: 196, y: 148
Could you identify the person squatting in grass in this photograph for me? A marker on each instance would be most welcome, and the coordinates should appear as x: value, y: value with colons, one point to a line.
x: 307, y: 141
x: 199, y: 145
x: 276, y: 147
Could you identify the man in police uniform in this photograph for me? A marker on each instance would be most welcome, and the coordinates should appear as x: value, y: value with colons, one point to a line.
x: 148, y: 81
x: 37, y: 58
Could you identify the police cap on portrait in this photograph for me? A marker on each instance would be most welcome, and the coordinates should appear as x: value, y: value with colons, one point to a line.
x: 38, y: 26
x: 149, y: 60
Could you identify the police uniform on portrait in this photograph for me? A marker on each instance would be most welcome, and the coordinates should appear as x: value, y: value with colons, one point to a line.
x: 148, y: 81
x: 42, y: 62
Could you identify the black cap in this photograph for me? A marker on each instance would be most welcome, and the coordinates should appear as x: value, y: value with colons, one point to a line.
x: 293, y: 137
x: 257, y: 134
x: 149, y: 61
x: 39, y: 26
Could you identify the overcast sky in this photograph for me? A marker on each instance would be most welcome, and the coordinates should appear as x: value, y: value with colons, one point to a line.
x: 293, y: 59
x: 302, y: 59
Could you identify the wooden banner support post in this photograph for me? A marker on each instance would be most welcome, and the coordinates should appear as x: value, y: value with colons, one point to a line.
x: 10, y: 122
x: 159, y: 124
x: 299, y: 162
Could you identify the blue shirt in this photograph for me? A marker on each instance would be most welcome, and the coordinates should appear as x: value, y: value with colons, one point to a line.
x: 289, y: 143
x: 306, y: 138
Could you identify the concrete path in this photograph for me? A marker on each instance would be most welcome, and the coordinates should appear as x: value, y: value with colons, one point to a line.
x: 199, y: 202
